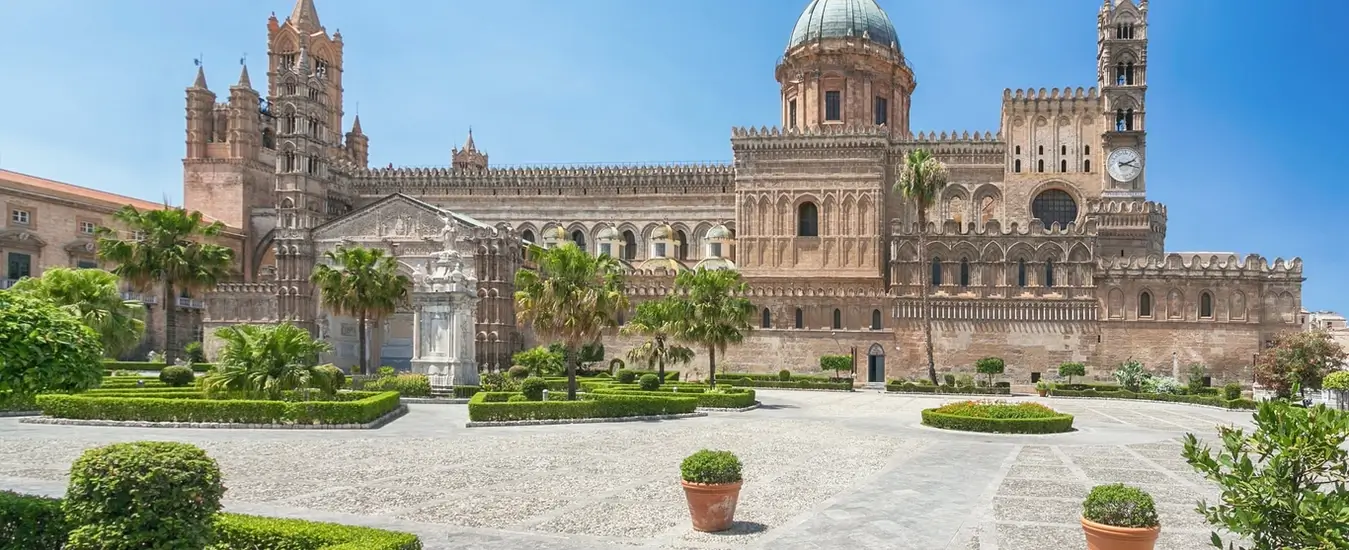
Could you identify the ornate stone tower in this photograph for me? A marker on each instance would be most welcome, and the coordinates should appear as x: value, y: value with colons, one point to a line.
x: 843, y: 66
x: 469, y: 158
x: 1122, y: 58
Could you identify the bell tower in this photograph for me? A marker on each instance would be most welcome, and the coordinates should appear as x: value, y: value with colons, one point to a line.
x: 1122, y: 60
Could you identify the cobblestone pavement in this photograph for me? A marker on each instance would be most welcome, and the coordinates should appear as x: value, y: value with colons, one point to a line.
x: 822, y: 470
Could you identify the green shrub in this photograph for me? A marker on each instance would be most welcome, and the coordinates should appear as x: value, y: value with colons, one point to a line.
x: 1131, y: 375
x: 44, y: 347
x: 720, y: 398
x: 925, y: 386
x: 625, y: 376
x: 1338, y: 380
x: 194, y: 353
x: 492, y: 407
x: 1195, y: 384
x: 328, y: 379
x: 1069, y: 370
x: 711, y: 467
x: 10, y: 401
x: 1120, y: 506
x: 145, y: 494
x: 407, y: 385
x: 949, y: 378
x: 540, y: 361
x: 347, y: 408
x: 133, y: 366
x: 176, y: 376
x: 973, y: 416
x: 1232, y: 390
x: 533, y: 387
x: 520, y: 398
x: 990, y: 366
x: 784, y: 375
x: 496, y: 382
x: 465, y: 392
x: 774, y: 377
x: 518, y: 372
x: 31, y: 523
x: 1213, y: 401
x: 962, y: 381
x: 649, y: 382
x: 240, y: 532
x: 796, y: 382
x: 386, y: 371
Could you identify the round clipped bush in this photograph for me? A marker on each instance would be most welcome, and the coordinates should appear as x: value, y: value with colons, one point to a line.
x: 625, y: 376
x: 518, y: 372
x: 998, y: 417
x: 386, y: 371
x: 328, y: 379
x: 533, y: 388
x: 1119, y: 505
x: 950, y: 379
x: 1338, y: 380
x: 711, y: 467
x: 176, y: 376
x: 784, y: 375
x: 649, y: 382
x: 145, y: 494
x: 1232, y: 390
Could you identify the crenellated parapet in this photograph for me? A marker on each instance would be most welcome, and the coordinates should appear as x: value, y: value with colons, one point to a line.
x: 1203, y: 264
x: 767, y: 138
x: 707, y: 177
x: 1065, y: 99
x: 994, y: 228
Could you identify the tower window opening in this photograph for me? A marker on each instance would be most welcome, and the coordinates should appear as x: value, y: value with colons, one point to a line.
x: 579, y: 238
x: 936, y: 272
x: 800, y: 321
x: 1119, y: 74
x: 1021, y: 273
x: 1049, y: 273
x: 791, y: 113
x: 1086, y: 165
x: 288, y: 60
x: 882, y: 111
x: 1040, y: 165
x: 1129, y: 119
x: 1041, y: 150
x: 1206, y: 306
x: 1129, y: 73
x: 314, y: 94
x: 1086, y: 149
x: 629, y: 245
x: 807, y: 220
x: 1063, y: 166
x: 290, y: 88
x: 1063, y: 149
x: 1017, y: 166
x: 1018, y: 149
x: 964, y: 272
x: 767, y: 319
x: 1145, y: 304
x: 838, y: 319
x: 833, y: 106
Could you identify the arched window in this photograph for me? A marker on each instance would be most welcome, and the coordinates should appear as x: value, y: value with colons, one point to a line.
x: 1129, y: 119
x: 1063, y: 165
x: 936, y: 272
x: 289, y: 163
x: 528, y: 236
x: 1145, y: 304
x: 579, y: 238
x: 767, y: 321
x: 1049, y: 273
x: 1086, y: 165
x: 800, y: 319
x: 964, y: 272
x: 1017, y: 165
x: 1021, y: 273
x: 875, y: 319
x: 287, y: 203
x: 1054, y: 206
x: 683, y: 252
x: 1129, y: 73
x: 629, y: 245
x: 807, y: 220
x: 1040, y: 165
x: 1119, y: 120
x: 838, y: 319
x: 1206, y: 305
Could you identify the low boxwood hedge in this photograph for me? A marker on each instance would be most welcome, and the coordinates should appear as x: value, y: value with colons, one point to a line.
x: 776, y: 377
x: 1082, y: 387
x: 1020, y: 418
x: 465, y: 392
x: 10, y: 402
x: 729, y: 398
x: 731, y: 380
x: 148, y: 366
x: 407, y: 385
x: 670, y: 375
x: 1215, y: 401
x: 910, y: 387
x: 38, y: 523
x: 493, y: 407
x: 348, y: 408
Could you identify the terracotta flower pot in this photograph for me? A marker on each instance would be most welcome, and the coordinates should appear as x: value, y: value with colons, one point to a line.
x: 712, y: 505
x: 1042, y: 393
x: 1109, y: 537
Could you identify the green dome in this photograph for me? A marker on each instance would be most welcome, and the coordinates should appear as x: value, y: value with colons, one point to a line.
x: 844, y: 19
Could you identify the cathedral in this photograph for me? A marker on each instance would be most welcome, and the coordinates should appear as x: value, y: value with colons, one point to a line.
x: 1043, y: 249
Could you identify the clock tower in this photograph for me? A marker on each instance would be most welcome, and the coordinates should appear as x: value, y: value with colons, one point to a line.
x: 1121, y: 59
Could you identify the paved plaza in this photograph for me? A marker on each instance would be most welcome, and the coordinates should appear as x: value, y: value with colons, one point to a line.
x: 822, y: 470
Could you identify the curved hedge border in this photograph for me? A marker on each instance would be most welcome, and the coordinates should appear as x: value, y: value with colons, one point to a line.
x: 736, y: 398
x: 1048, y: 425
x: 355, y: 408
x: 731, y: 380
x: 38, y: 523
x: 909, y: 387
x: 492, y: 407
x: 1215, y: 401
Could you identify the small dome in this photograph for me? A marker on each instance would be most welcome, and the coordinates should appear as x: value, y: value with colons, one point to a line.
x: 607, y: 234
x: 555, y: 233
x: 844, y: 19
x: 662, y: 233
x: 719, y: 232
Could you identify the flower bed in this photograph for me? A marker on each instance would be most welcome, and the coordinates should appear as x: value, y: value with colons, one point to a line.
x: 730, y: 398
x: 1213, y: 401
x: 493, y: 407
x: 731, y: 380
x: 148, y: 366
x: 38, y: 523
x: 346, y: 408
x: 998, y: 417
x: 910, y: 387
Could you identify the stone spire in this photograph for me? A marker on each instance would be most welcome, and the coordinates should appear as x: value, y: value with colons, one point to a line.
x: 243, y: 78
x: 469, y: 158
x: 356, y: 125
x: 200, y: 82
x: 468, y: 144
x: 304, y: 16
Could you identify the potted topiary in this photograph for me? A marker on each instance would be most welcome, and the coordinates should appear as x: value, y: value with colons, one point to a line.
x: 1042, y: 388
x: 1118, y: 517
x: 711, y: 482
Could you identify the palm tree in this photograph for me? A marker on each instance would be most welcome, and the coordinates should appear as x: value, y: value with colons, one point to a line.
x: 710, y: 310
x: 366, y: 285
x: 92, y: 296
x: 921, y: 180
x: 571, y: 297
x: 266, y: 359
x: 655, y: 320
x: 166, y: 248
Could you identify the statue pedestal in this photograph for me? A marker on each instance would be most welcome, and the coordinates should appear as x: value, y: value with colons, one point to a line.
x: 443, y: 304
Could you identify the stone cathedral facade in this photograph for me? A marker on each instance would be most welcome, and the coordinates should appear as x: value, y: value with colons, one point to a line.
x: 1044, y: 247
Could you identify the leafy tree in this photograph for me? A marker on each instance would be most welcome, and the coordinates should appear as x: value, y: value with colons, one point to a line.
x: 266, y: 359
x: 92, y: 296
x: 1285, y: 485
x: 1070, y: 370
x: 921, y: 181
x: 166, y: 248
x: 45, y: 348
x: 711, y: 310
x: 194, y: 352
x: 656, y: 320
x: 1298, y: 359
x: 363, y: 283
x: 542, y: 361
x: 836, y: 364
x: 990, y: 366
x: 571, y: 297
x: 1131, y: 375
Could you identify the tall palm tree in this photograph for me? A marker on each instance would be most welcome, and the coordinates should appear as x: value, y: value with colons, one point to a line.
x: 266, y: 359
x: 655, y: 320
x: 92, y: 296
x: 710, y: 311
x: 921, y: 181
x: 365, y: 284
x: 571, y: 297
x: 166, y: 248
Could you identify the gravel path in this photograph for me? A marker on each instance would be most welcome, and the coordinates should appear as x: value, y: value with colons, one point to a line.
x: 821, y: 469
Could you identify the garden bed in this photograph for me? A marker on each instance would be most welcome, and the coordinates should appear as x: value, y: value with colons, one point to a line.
x: 494, y: 407
x: 38, y: 523
x: 997, y: 417
x: 731, y: 398
x: 909, y: 387
x: 1209, y: 401
x: 794, y: 384
x: 346, y: 408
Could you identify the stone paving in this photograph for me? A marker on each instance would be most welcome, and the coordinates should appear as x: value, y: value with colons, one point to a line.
x: 822, y: 470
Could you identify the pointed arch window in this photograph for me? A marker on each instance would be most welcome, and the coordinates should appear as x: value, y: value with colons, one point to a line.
x: 1040, y: 165
x: 807, y: 220
x: 629, y: 245
x: 800, y: 321
x: 875, y: 319
x: 1206, y: 306
x: 1049, y: 273
x: 682, y: 252
x: 579, y: 238
x: 936, y: 272
x: 964, y: 272
x: 1063, y: 165
x: 767, y: 319
x: 1021, y: 273
x: 838, y: 319
x: 528, y: 236
x: 1145, y: 304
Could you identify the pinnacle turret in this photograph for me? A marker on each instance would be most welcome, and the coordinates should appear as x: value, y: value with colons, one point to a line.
x: 304, y: 16
x: 356, y: 125
x: 243, y: 78
x: 200, y: 82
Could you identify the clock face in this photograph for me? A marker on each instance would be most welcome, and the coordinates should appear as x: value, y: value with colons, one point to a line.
x: 1124, y: 164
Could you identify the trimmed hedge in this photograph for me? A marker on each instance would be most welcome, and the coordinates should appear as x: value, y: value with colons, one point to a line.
x: 148, y: 366
x: 776, y: 377
x: 670, y: 375
x: 132, y: 382
x: 350, y: 408
x: 1084, y: 387
x: 910, y: 387
x: 731, y: 398
x: 465, y: 392
x: 10, y: 401
x: 38, y: 523
x: 407, y: 385
x: 1047, y: 425
x: 492, y: 407
x: 793, y: 383
x: 1215, y: 401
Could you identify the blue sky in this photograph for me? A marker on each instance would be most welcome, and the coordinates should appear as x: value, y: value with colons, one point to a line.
x: 1245, y: 101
